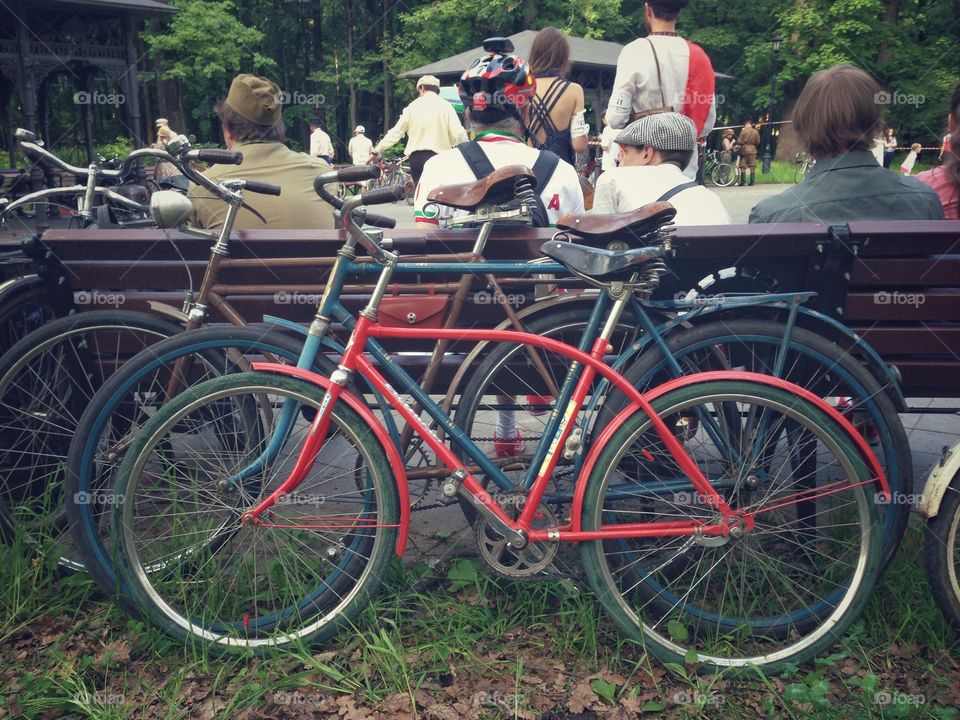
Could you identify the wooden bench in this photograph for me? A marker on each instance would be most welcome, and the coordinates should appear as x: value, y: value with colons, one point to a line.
x: 916, y: 326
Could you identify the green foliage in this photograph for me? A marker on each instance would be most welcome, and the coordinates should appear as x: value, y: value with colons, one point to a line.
x: 205, y: 45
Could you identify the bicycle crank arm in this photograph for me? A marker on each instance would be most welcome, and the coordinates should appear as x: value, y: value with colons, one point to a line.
x: 516, y: 537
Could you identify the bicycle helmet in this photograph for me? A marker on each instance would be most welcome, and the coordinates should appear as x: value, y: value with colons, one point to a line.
x: 496, y: 86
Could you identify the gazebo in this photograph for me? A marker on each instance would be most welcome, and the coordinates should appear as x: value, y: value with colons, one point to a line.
x: 593, y: 65
x: 80, y: 39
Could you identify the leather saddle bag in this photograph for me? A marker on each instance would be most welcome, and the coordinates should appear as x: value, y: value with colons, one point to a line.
x: 420, y: 311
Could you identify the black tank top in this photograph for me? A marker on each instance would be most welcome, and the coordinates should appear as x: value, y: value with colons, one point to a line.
x: 557, y: 141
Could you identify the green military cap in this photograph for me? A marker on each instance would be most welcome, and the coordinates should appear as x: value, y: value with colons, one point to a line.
x: 256, y: 99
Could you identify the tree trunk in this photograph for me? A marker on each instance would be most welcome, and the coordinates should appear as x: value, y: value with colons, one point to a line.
x: 387, y: 77
x: 352, y: 122
x: 890, y: 14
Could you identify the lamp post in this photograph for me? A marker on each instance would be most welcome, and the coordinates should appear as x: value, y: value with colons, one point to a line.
x: 767, y: 152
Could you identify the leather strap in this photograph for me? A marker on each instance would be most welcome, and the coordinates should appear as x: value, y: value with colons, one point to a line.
x: 677, y: 190
x: 663, y: 99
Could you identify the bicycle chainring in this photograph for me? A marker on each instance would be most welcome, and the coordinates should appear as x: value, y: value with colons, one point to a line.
x: 528, y: 563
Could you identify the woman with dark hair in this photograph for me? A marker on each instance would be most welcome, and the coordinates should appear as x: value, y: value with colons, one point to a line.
x: 837, y: 118
x: 945, y: 179
x: 554, y: 116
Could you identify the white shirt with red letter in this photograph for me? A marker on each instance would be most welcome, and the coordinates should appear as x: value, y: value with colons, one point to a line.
x: 561, y: 195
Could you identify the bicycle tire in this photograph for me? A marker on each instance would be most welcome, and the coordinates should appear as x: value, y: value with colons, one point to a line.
x: 813, y: 362
x: 131, y: 394
x: 318, y: 578
x: 941, y: 554
x: 723, y: 174
x: 46, y: 381
x: 21, y: 315
x: 717, y: 605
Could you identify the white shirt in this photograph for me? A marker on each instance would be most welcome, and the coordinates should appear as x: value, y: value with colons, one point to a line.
x: 359, y: 147
x: 561, y: 195
x: 636, y: 86
x: 627, y: 188
x: 320, y: 145
x: 610, y: 149
x: 429, y: 122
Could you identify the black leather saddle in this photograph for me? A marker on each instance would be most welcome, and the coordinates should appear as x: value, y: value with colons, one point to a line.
x: 599, y: 263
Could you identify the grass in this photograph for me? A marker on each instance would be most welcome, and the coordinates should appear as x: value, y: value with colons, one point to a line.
x: 454, y: 642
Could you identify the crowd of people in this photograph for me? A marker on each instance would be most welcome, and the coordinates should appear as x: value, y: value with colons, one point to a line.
x: 662, y: 106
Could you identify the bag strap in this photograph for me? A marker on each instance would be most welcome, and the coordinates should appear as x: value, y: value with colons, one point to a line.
x: 676, y: 190
x: 656, y: 61
x: 476, y: 158
x: 544, y: 167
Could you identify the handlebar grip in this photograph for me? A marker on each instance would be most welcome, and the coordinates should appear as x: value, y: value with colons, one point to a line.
x: 380, y: 221
x: 381, y: 196
x: 358, y: 173
x: 410, y: 244
x: 216, y: 156
x: 262, y: 188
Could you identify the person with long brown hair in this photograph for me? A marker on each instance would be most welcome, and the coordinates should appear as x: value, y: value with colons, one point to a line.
x: 837, y: 118
x: 945, y: 179
x: 554, y: 116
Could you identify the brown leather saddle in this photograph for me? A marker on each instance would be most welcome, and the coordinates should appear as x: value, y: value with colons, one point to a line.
x: 497, y: 188
x: 627, y: 226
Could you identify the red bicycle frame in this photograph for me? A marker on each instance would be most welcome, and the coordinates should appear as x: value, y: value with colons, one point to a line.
x: 354, y: 360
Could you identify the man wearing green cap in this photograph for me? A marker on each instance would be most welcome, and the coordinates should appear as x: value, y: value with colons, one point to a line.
x: 252, y: 124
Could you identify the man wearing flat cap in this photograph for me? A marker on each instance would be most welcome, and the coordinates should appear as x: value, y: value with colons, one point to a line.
x: 430, y: 124
x: 252, y: 124
x: 664, y: 72
x: 654, y: 149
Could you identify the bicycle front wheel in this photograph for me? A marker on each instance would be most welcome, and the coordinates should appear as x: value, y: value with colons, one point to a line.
x: 203, y: 460
x: 784, y: 586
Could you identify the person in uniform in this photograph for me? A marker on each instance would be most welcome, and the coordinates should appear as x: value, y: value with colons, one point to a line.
x: 360, y: 146
x: 252, y: 124
x: 320, y: 144
x: 747, y: 143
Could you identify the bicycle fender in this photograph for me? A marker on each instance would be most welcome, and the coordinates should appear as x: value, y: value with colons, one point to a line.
x: 169, y: 311
x: 12, y: 287
x: 393, y: 455
x: 293, y: 327
x: 938, y: 481
x: 883, y: 486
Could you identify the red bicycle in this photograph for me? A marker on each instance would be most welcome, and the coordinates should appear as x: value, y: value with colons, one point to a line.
x: 724, y: 518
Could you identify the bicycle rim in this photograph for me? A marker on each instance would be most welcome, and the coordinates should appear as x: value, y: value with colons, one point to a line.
x: 783, y: 591
x: 198, y: 571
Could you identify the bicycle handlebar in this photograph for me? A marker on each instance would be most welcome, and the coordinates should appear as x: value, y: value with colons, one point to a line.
x: 216, y: 156
x: 319, y: 183
x: 380, y: 196
x: 357, y: 173
x: 261, y: 187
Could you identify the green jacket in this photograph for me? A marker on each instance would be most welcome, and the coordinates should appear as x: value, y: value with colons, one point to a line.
x: 852, y: 186
x: 297, y: 206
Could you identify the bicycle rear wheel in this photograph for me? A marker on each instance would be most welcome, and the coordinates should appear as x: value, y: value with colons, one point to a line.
x: 201, y: 574
x: 810, y: 361
x: 787, y: 586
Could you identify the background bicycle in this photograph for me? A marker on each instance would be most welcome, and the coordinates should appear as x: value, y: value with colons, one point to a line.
x: 718, y: 171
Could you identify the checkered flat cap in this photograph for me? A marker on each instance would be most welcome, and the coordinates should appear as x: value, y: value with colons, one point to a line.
x: 662, y: 131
